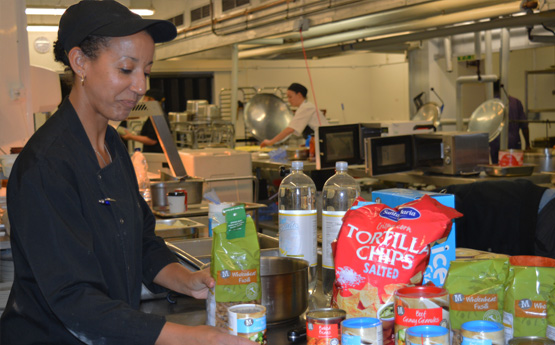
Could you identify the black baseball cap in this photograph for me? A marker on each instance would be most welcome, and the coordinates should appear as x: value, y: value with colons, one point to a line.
x: 108, y: 18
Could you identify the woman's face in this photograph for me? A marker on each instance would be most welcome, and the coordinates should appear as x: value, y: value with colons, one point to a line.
x: 116, y: 79
x: 295, y: 98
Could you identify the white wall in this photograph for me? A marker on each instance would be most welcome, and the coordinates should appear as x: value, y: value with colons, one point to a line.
x: 16, y: 121
x: 371, y: 87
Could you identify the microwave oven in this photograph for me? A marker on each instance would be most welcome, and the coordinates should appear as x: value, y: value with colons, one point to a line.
x: 335, y: 143
x: 449, y: 153
x: 342, y: 143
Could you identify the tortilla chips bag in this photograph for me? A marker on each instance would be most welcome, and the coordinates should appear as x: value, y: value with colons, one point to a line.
x: 235, y: 266
x: 381, y: 249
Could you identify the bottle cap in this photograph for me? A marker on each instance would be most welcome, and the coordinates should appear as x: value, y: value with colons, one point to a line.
x: 297, y: 165
x: 342, y: 166
x: 137, y: 149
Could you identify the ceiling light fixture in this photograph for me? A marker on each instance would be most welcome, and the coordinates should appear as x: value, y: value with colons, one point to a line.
x: 53, y: 11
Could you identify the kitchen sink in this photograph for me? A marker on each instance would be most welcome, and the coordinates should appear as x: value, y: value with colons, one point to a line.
x: 195, y: 254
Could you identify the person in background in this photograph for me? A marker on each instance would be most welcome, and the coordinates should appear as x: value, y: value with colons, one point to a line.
x: 516, y: 113
x: 82, y: 237
x: 148, y: 136
x: 306, y: 115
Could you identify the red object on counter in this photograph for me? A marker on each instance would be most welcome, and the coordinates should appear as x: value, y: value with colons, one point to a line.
x: 182, y: 190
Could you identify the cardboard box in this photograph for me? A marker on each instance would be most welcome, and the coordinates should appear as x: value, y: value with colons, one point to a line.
x: 441, y: 254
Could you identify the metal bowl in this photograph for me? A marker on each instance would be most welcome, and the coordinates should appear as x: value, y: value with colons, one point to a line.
x: 284, y: 283
x: 266, y: 115
x: 488, y: 117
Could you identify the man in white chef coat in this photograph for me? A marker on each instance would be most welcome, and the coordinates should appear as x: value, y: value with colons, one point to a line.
x: 306, y: 115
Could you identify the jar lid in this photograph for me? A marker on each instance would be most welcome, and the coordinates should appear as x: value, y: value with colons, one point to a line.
x: 482, y: 326
x: 361, y: 322
x: 176, y: 194
x: 427, y: 331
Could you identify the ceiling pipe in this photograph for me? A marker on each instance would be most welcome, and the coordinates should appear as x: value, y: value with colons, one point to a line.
x: 448, y: 54
x: 504, y: 81
x: 443, y: 20
x: 399, y: 15
x: 488, y: 65
x: 370, y: 43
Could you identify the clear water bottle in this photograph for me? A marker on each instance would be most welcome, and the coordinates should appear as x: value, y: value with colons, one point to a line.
x: 141, y: 171
x: 298, y: 219
x: 338, y: 194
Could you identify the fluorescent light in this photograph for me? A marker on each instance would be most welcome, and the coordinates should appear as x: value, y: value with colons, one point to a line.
x: 42, y: 28
x: 143, y: 12
x: 44, y: 11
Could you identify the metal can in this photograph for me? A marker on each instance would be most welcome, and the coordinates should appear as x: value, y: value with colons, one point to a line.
x: 184, y: 191
x: 361, y: 330
x: 248, y: 321
x: 482, y: 332
x: 427, y: 335
x: 531, y: 341
x: 420, y: 306
x: 323, y: 326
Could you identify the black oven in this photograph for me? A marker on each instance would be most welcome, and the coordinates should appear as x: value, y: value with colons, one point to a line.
x: 343, y: 143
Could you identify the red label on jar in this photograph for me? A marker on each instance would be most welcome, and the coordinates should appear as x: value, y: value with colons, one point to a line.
x: 417, y: 317
x: 322, y: 331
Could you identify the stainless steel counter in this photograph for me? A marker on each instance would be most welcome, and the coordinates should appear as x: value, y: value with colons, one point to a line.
x: 419, y: 177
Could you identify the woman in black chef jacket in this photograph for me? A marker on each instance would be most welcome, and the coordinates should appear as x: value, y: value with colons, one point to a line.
x: 82, y: 237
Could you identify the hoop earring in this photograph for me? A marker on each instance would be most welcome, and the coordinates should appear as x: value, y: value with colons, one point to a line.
x: 82, y: 80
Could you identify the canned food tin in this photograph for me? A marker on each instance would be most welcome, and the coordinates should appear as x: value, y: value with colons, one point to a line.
x: 531, y: 341
x: 427, y: 335
x: 248, y: 321
x: 361, y: 330
x: 323, y: 326
x: 419, y: 306
x: 482, y: 332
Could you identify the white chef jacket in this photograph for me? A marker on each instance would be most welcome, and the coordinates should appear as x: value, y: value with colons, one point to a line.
x: 306, y: 115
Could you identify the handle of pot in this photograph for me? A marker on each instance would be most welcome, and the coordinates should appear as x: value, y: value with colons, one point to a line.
x: 234, y: 178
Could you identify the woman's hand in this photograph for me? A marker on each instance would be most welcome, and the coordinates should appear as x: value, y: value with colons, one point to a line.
x: 178, y: 334
x: 198, y: 284
x: 179, y: 279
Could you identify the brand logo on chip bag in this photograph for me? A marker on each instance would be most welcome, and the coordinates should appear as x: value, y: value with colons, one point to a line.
x: 389, y: 214
x: 409, y: 213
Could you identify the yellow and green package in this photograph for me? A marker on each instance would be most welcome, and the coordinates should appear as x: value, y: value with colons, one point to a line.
x: 235, y: 265
x: 531, y: 285
x: 550, y: 332
x: 476, y: 290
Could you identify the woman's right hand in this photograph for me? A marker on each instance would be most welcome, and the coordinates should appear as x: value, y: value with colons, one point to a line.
x: 202, y: 335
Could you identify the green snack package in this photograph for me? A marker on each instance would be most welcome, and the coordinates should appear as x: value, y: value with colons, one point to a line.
x: 550, y: 332
x: 476, y: 290
x: 235, y: 266
x: 531, y: 286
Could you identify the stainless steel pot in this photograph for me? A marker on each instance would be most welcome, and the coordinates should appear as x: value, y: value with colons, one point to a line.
x: 159, y: 191
x: 543, y: 158
x: 284, y: 283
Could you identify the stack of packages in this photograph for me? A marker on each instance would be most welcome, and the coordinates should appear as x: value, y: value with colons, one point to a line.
x: 235, y: 266
x: 384, y: 254
x: 518, y: 292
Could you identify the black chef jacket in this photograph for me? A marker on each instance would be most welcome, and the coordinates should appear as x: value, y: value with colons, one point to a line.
x: 79, y: 261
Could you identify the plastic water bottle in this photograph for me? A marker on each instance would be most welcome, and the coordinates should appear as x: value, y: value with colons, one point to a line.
x: 141, y: 170
x: 338, y: 194
x: 298, y: 219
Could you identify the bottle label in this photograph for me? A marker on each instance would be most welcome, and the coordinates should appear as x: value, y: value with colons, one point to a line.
x: 297, y: 235
x: 331, y: 223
